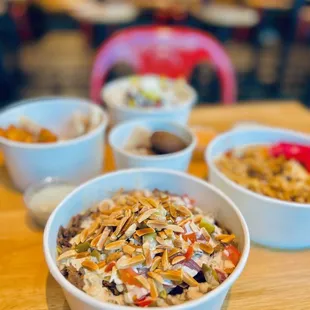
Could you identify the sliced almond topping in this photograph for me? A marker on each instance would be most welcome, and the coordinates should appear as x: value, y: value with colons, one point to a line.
x: 146, y: 215
x: 103, y: 238
x: 160, y: 240
x: 84, y: 235
x: 128, y: 249
x: 135, y: 208
x: 95, y: 241
x: 76, y: 239
x: 225, y: 238
x: 173, y: 252
x: 177, y: 260
x: 82, y: 255
x: 115, y: 215
x: 155, y: 276
x: 205, y: 234
x: 158, y: 251
x: 162, y: 235
x: 194, y: 227
x: 145, y: 202
x: 197, y: 218
x: 102, y: 264
x: 67, y: 254
x: 145, y: 231
x: 183, y: 210
x: 152, y: 202
x: 183, y: 222
x: 176, y: 228
x: 116, y: 245
x: 153, y: 288
x: 173, y: 275
x: 112, y: 223
x: 189, y: 280
x: 136, y: 260
x: 169, y: 233
x: 144, y: 282
x: 207, y: 248
x: 165, y: 261
x: 121, y: 225
x: 90, y: 265
x: 128, y: 224
x: 147, y: 254
x: 173, y: 211
x: 155, y: 263
x: 131, y: 230
x: 93, y: 227
x: 156, y: 224
x: 114, y: 257
x: 131, y: 200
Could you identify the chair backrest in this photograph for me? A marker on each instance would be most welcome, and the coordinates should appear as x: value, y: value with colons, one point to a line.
x: 169, y: 51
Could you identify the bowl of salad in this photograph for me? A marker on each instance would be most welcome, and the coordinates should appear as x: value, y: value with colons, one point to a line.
x: 266, y: 172
x: 146, y: 238
x: 149, y: 96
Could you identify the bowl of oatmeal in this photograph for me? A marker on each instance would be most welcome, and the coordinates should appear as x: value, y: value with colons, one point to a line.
x: 146, y: 238
x: 152, y: 143
x: 149, y: 96
x: 52, y: 137
x: 266, y: 173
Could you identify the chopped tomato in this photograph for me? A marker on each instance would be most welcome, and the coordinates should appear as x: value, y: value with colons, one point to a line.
x: 128, y: 276
x: 144, y: 302
x: 233, y: 254
x: 109, y: 267
x: 191, y: 237
x: 189, y: 253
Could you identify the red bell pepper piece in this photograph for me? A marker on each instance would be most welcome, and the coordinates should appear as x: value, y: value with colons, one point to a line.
x: 189, y: 253
x: 191, y: 237
x: 128, y: 276
x: 301, y: 153
x: 144, y: 302
x: 233, y: 254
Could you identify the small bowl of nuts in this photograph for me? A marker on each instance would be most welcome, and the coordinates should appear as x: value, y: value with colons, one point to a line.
x: 152, y: 143
x: 266, y: 172
x: 52, y: 137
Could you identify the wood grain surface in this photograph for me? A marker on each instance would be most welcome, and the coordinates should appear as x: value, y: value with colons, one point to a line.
x: 272, y: 280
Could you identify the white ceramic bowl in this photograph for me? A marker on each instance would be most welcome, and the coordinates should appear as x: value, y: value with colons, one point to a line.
x: 208, y: 197
x: 74, y: 160
x: 113, y: 94
x: 120, y: 134
x: 274, y: 223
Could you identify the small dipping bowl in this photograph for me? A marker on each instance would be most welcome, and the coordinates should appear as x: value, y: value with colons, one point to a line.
x: 124, y: 159
x: 42, y: 198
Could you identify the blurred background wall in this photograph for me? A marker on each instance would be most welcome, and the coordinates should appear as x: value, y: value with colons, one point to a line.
x: 47, y: 47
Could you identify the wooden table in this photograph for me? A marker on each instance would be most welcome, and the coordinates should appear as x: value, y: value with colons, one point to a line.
x: 272, y: 280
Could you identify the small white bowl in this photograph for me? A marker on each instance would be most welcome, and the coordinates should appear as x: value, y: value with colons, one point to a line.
x: 207, y: 196
x: 273, y: 223
x: 42, y: 198
x: 120, y: 135
x: 75, y: 160
x: 113, y: 94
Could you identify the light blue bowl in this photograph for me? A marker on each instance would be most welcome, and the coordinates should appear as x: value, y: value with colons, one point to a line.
x: 177, y: 161
x: 272, y: 222
x: 207, y: 197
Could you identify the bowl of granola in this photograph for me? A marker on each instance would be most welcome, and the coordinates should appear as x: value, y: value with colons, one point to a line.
x: 266, y: 173
x: 146, y: 238
x: 52, y: 137
x: 149, y: 96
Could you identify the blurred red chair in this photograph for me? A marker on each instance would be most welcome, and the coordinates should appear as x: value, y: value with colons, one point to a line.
x: 169, y: 51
